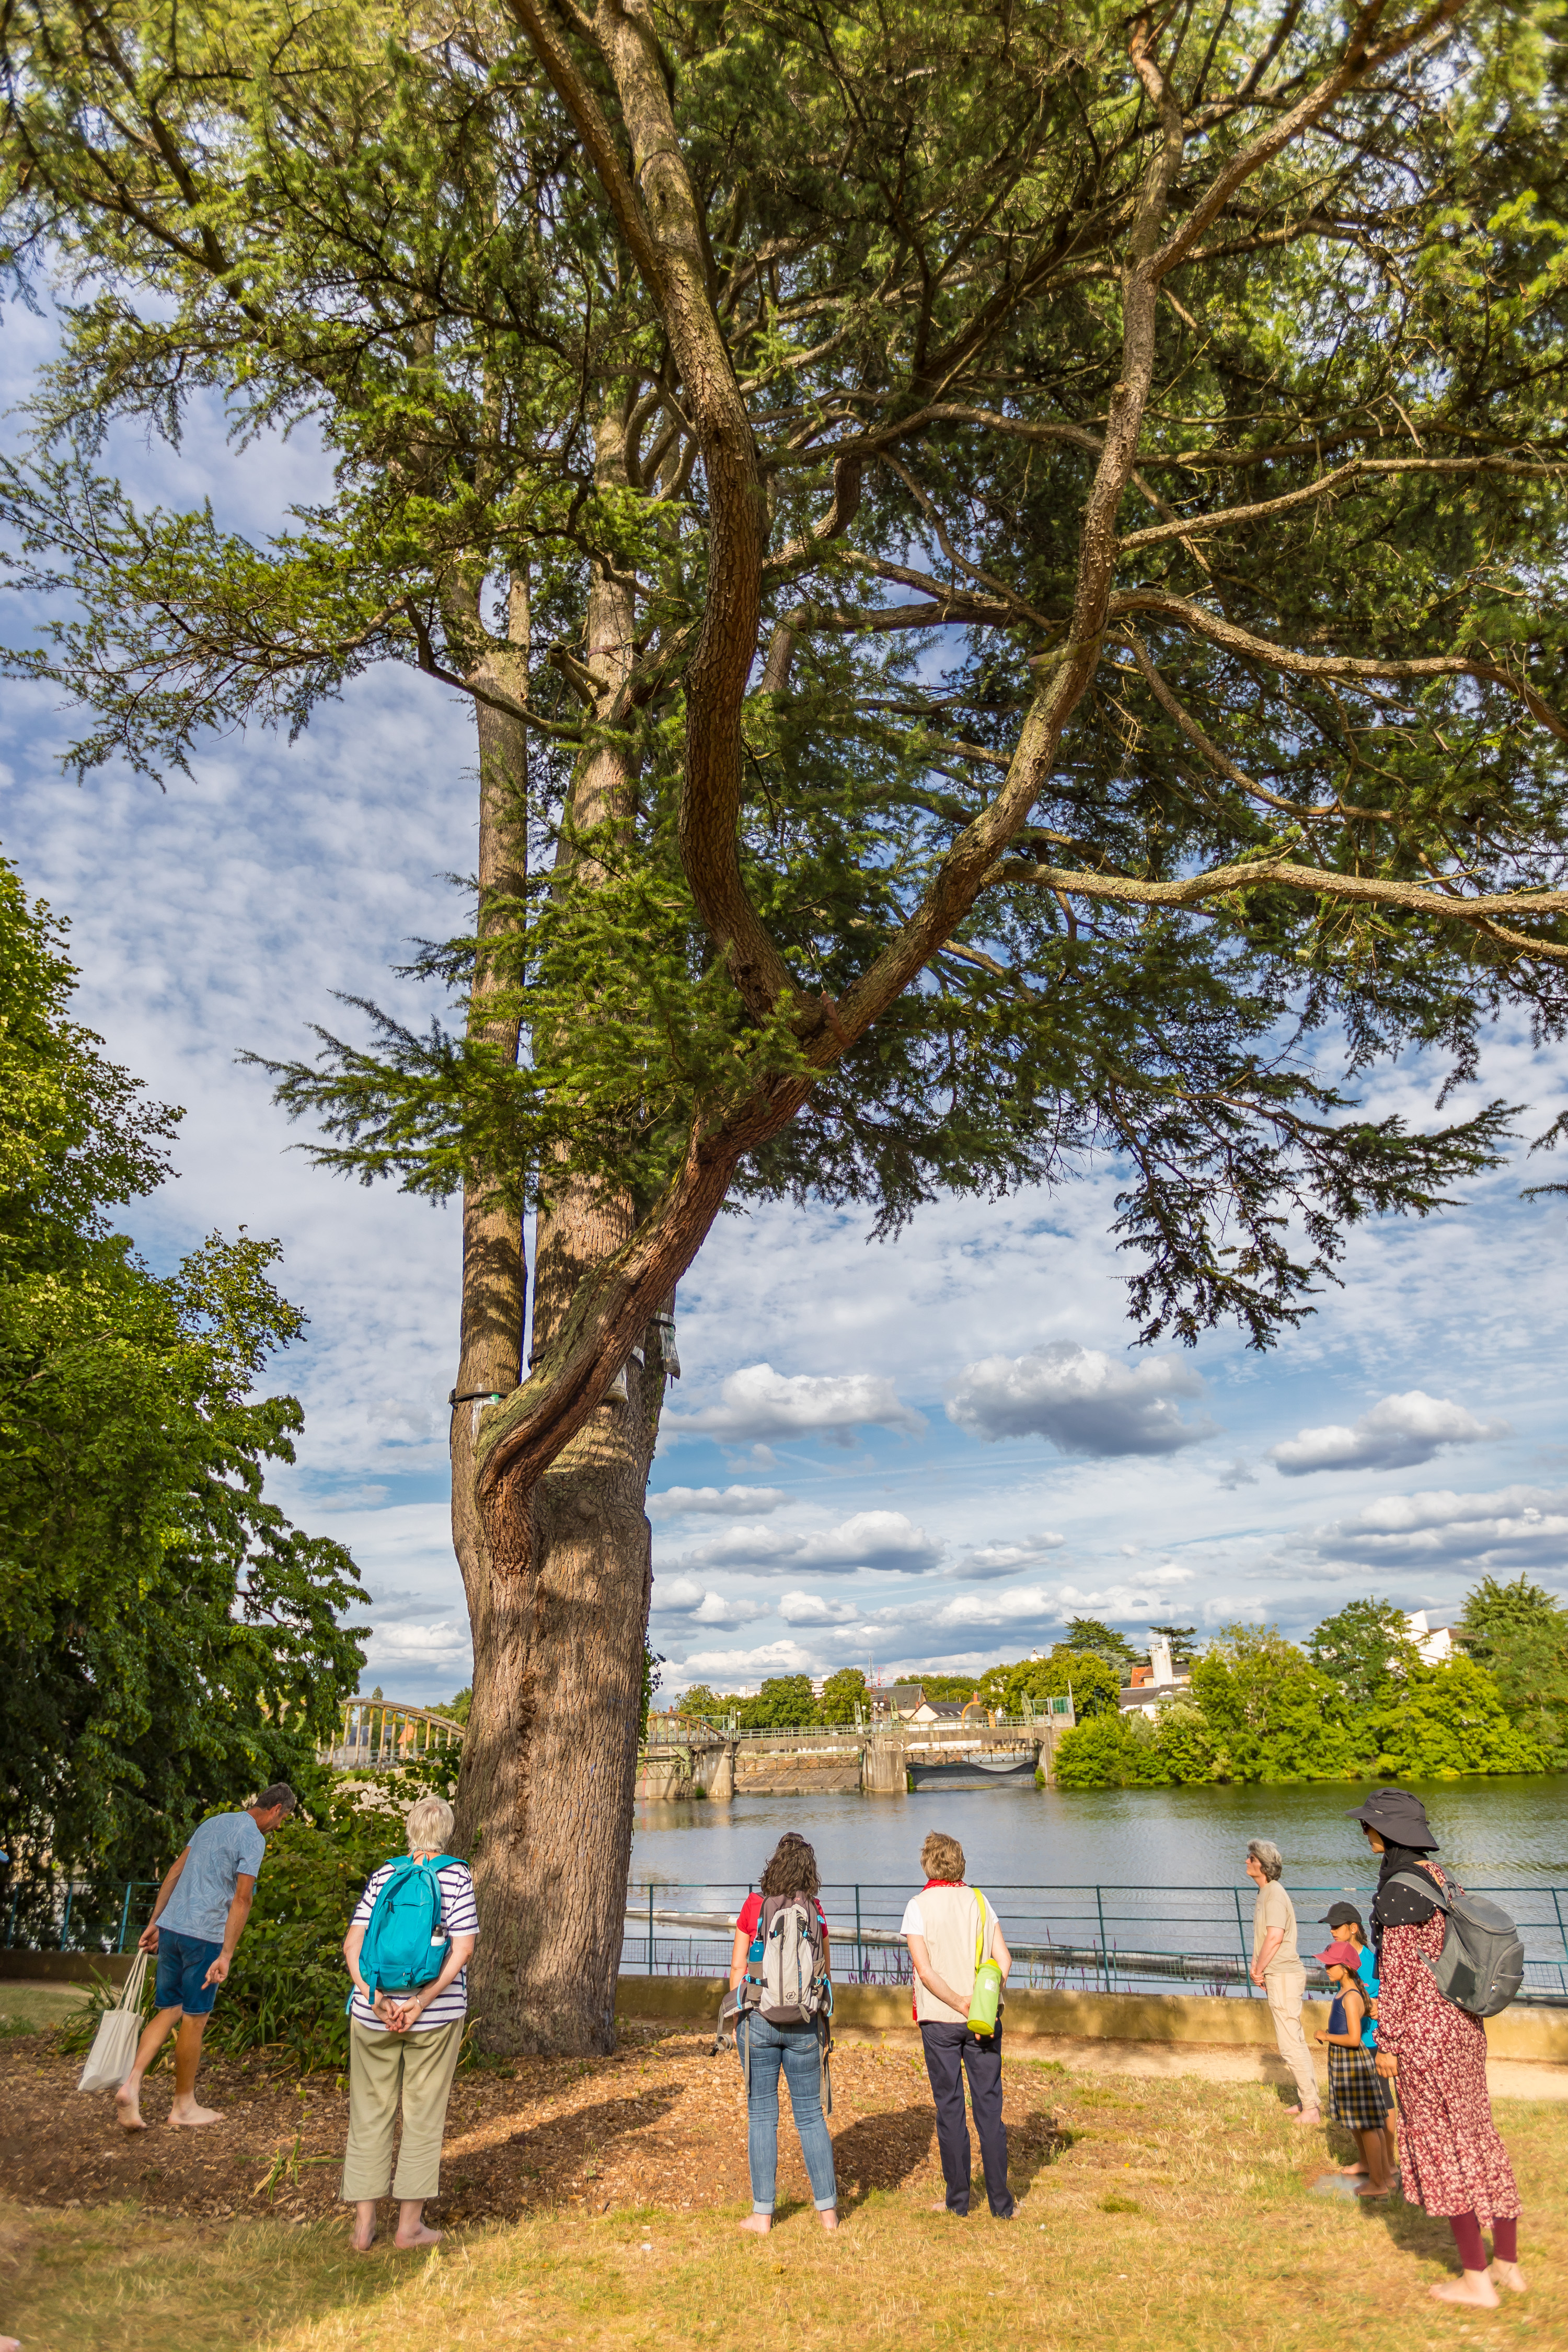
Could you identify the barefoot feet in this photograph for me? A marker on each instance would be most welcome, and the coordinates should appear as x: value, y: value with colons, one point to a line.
x: 185, y: 2111
x: 128, y: 2108
x: 420, y: 2235
x: 1475, y: 2290
x: 1508, y: 2275
x: 1306, y: 2115
x: 759, y: 2222
x: 828, y: 2217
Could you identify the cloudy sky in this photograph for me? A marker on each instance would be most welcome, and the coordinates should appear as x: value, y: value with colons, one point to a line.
x: 919, y: 1454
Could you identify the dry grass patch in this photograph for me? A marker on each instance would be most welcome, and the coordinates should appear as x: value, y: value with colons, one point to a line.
x: 1170, y: 2214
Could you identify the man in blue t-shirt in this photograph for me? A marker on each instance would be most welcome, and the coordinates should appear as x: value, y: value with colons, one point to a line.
x: 197, y: 1921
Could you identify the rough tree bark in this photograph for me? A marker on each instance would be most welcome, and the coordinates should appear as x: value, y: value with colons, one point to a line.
x: 559, y: 1570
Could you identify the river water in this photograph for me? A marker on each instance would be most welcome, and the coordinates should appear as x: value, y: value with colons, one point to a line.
x: 1131, y: 1868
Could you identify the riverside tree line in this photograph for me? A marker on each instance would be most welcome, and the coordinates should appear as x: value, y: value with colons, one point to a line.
x: 1356, y: 1701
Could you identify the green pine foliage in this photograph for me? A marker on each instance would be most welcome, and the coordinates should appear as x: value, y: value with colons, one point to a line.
x: 168, y: 1641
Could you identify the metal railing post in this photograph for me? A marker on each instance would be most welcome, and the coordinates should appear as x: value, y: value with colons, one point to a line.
x: 651, y: 1926
x: 66, y: 1922
x: 1104, y: 1956
x: 125, y: 1914
x: 1241, y: 1938
x: 860, y: 1947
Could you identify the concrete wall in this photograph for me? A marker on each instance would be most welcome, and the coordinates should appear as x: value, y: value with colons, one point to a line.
x: 64, y: 1967
x: 1536, y: 2035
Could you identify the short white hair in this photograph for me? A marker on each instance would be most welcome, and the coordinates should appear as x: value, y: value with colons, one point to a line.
x: 1268, y: 1857
x: 429, y: 1825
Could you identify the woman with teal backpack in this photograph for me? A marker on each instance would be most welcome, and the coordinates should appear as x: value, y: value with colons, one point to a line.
x: 408, y: 1948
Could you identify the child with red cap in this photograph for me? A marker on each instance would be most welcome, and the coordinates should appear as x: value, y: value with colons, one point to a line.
x: 1355, y: 2094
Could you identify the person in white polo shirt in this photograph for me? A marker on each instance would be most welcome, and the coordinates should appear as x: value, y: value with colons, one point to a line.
x: 950, y: 1929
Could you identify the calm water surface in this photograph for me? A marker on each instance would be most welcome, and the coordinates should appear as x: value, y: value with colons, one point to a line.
x: 1498, y: 1833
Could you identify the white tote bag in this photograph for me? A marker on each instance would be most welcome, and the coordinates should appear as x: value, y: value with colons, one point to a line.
x: 118, y: 2030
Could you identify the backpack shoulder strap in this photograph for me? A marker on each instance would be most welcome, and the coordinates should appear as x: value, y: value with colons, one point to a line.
x: 981, y: 1938
x: 1420, y: 1883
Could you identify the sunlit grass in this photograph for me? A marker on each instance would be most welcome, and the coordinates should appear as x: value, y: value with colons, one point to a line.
x: 1172, y: 2215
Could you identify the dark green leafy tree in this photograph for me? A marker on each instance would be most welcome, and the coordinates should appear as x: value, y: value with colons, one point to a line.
x: 1444, y: 1723
x: 1365, y: 1650
x: 1084, y: 1672
x: 1006, y: 570
x: 1519, y: 1632
x: 168, y: 1641
x: 1271, y: 1715
x: 784, y: 1702
x: 842, y: 1694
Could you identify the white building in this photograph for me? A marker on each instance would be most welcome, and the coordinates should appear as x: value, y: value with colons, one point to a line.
x: 1155, y: 1685
x: 1434, y: 1644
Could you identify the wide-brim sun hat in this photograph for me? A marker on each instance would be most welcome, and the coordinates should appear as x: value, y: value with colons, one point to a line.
x: 1398, y: 1818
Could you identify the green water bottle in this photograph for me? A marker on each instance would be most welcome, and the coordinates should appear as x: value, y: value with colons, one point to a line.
x: 985, y: 2000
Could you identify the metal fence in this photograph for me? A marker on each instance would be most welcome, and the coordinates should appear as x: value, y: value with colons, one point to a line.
x: 675, y: 1730
x: 1090, y: 1938
x: 84, y: 1915
x: 379, y: 1735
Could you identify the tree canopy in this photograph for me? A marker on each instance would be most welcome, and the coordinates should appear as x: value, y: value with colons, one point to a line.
x: 168, y: 1641
x: 1519, y: 1632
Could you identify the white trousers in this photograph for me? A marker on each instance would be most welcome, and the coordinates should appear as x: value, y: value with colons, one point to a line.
x: 1286, y: 1989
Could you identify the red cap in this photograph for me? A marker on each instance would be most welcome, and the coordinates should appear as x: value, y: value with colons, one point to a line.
x: 1340, y: 1955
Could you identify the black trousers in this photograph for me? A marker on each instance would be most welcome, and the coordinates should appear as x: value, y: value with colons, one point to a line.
x: 952, y: 2052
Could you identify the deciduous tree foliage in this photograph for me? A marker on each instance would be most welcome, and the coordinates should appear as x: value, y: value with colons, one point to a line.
x: 1005, y: 563
x: 1519, y: 1632
x: 168, y: 1641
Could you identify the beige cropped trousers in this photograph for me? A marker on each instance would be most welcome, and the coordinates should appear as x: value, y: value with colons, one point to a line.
x: 1286, y: 1988
x: 385, y: 2070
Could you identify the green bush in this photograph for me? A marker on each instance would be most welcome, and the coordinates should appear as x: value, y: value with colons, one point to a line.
x: 287, y: 1987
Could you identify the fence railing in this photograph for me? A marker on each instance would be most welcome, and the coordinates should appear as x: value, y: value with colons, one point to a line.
x: 1101, y: 1938
x: 379, y: 1735
x: 83, y: 1915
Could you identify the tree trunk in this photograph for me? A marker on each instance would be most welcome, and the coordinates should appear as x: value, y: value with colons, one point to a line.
x: 561, y: 1577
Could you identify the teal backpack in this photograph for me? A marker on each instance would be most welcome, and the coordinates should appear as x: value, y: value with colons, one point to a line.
x: 405, y: 1943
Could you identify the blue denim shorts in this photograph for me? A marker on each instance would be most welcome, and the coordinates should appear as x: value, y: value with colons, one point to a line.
x: 182, y: 1962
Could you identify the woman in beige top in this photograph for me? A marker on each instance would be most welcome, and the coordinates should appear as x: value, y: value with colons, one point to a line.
x: 1277, y: 1967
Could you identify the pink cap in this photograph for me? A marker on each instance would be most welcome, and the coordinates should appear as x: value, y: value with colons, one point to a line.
x: 1340, y: 1955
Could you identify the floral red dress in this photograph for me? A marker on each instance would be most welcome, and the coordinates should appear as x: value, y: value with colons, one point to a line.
x: 1452, y: 2158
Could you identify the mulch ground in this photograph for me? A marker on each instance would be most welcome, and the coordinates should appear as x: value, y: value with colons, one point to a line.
x: 661, y: 2124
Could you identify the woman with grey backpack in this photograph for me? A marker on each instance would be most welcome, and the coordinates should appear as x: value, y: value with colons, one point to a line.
x: 1445, y: 1961
x: 784, y: 2000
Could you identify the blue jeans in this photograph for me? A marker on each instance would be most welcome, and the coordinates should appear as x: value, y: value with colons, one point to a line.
x: 796, y: 2049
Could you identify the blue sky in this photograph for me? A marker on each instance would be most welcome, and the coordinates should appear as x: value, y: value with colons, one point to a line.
x: 917, y: 1454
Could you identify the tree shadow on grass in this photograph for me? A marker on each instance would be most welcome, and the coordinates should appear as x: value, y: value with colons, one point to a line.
x: 550, y: 2157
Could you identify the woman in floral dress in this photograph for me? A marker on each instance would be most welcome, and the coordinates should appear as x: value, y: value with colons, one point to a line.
x: 1452, y: 2159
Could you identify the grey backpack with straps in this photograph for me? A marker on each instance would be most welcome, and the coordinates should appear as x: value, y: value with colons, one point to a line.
x: 1481, y: 1965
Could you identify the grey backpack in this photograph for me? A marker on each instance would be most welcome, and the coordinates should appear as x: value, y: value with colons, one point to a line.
x: 1481, y: 1965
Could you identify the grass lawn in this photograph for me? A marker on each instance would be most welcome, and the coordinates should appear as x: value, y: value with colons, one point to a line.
x: 28, y: 2008
x: 1157, y: 2214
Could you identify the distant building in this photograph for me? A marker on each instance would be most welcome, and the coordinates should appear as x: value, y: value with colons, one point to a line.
x: 911, y: 1704
x: 1435, y: 1645
x: 1156, y: 1684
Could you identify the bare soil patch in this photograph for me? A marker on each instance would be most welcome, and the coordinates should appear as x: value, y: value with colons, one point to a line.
x: 662, y: 2123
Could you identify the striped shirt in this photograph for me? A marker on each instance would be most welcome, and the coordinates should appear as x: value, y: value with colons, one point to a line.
x: 458, y: 1917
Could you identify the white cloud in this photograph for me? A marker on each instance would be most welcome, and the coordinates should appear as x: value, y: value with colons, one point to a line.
x: 714, y: 1502
x: 391, y: 1646
x: 684, y: 1596
x: 814, y: 1609
x: 747, y: 1665
x: 1502, y: 1533
x: 1081, y: 1400
x: 984, y: 1562
x: 1398, y: 1432
x: 879, y: 1539
x: 869, y: 1539
x: 760, y: 1402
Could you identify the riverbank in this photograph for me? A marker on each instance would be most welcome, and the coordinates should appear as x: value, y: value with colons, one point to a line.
x: 1157, y: 2214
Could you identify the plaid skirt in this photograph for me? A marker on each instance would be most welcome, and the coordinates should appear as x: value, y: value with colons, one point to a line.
x: 1358, y: 2096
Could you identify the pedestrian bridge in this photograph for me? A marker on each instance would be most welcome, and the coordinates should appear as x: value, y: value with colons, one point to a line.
x: 385, y: 1735
x: 684, y: 1757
